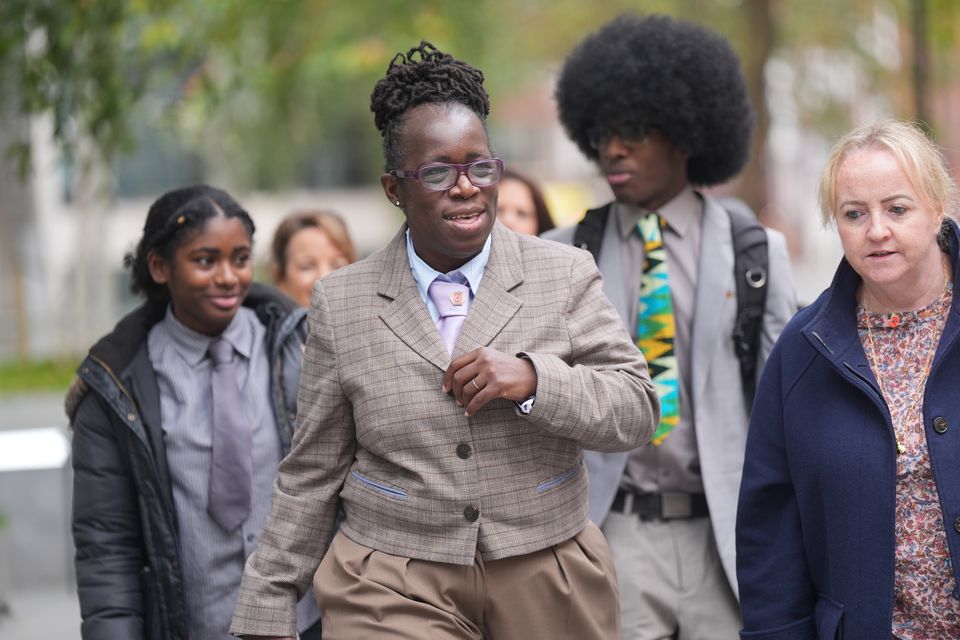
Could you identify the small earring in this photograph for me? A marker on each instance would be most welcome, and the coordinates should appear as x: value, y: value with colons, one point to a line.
x: 397, y: 203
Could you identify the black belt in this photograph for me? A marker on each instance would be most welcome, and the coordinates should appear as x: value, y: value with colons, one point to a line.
x: 661, y: 506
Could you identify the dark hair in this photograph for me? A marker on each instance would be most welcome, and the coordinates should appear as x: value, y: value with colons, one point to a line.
x: 436, y: 78
x: 327, y: 221
x: 544, y: 220
x: 662, y: 73
x: 173, y: 219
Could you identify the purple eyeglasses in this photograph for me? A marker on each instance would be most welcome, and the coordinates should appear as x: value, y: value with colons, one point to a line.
x: 440, y: 176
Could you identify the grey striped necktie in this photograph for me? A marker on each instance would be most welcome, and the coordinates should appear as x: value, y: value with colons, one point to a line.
x: 231, y: 470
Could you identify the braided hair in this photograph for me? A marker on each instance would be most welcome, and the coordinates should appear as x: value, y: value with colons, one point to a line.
x: 436, y: 78
x: 662, y: 73
x: 176, y: 217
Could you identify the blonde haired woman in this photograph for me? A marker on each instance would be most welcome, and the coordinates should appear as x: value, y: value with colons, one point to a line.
x: 849, y: 516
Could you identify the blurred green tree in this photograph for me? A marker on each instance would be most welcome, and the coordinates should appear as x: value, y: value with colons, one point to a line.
x: 274, y: 93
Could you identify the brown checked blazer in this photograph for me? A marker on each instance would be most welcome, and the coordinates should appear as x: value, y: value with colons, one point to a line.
x: 375, y: 429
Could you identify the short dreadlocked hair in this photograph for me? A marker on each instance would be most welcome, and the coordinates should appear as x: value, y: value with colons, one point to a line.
x: 436, y: 78
x: 658, y: 72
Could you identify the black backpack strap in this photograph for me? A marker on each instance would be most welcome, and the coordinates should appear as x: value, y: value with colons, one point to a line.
x: 750, y: 266
x: 589, y: 232
x: 751, y: 262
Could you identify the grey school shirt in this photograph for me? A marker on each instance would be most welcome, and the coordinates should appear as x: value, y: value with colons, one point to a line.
x: 213, y: 559
x: 675, y: 464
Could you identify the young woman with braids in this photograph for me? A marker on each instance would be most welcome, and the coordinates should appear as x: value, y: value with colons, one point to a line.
x: 450, y: 381
x: 172, y: 465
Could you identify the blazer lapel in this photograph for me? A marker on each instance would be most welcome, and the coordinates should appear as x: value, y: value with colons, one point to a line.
x: 407, y: 315
x: 716, y: 292
x: 493, y: 305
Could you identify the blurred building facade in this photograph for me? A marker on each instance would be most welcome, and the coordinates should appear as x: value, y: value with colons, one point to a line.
x: 66, y: 228
x: 72, y: 287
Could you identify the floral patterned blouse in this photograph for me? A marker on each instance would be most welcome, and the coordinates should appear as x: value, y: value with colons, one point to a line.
x: 926, y: 605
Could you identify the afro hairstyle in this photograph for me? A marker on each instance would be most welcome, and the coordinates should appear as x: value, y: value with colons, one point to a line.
x: 663, y: 73
x: 436, y: 78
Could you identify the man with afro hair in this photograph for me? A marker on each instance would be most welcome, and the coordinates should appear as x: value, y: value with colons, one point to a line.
x: 661, y: 107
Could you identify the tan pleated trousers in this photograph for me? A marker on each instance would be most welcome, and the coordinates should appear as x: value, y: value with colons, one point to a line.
x: 564, y: 592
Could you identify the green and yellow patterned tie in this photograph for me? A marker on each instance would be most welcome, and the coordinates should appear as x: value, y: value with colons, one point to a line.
x: 656, y: 327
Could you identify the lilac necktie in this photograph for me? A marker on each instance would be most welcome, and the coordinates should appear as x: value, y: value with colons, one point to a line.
x: 452, y: 300
x: 231, y: 469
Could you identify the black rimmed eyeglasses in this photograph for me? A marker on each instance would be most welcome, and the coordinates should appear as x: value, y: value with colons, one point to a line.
x: 631, y: 135
x: 440, y: 176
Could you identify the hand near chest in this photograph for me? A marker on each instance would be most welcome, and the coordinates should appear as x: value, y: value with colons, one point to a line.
x: 485, y: 374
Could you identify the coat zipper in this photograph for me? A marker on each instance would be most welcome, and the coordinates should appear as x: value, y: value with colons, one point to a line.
x: 137, y: 433
x: 119, y: 384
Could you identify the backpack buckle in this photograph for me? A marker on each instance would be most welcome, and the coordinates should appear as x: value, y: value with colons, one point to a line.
x: 756, y: 278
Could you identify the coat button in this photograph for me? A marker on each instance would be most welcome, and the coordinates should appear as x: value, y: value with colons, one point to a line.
x: 940, y: 424
x: 471, y: 513
x: 956, y: 524
x: 464, y: 451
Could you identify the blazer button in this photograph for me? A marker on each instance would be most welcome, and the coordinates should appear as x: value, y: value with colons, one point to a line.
x: 956, y: 524
x: 471, y: 513
x: 464, y: 451
x: 940, y: 424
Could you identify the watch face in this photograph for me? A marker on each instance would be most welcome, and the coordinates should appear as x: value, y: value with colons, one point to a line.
x: 527, y: 404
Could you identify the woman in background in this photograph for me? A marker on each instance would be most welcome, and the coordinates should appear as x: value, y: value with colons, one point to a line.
x: 180, y: 419
x: 307, y: 246
x: 521, y: 205
x: 849, y: 517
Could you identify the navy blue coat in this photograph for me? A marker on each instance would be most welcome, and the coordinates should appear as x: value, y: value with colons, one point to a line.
x: 815, y: 525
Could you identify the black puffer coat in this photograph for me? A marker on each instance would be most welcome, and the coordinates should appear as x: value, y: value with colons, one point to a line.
x: 124, y: 522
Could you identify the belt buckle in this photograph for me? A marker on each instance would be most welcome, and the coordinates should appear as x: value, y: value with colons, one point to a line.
x: 628, y: 502
x: 675, y: 505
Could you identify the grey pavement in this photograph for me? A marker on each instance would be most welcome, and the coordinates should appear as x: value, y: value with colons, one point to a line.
x: 39, y: 614
x: 33, y: 409
x: 37, y: 588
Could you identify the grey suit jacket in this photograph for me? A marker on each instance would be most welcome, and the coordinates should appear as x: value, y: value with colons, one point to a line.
x: 375, y: 429
x: 720, y: 415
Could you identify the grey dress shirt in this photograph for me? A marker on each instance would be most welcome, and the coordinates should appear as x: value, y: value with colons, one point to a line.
x: 213, y: 559
x: 675, y: 464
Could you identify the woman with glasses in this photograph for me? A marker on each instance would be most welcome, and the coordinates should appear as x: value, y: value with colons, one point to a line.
x: 450, y: 381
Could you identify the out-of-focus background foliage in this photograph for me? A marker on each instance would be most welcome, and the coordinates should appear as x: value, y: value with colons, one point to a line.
x: 105, y: 104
